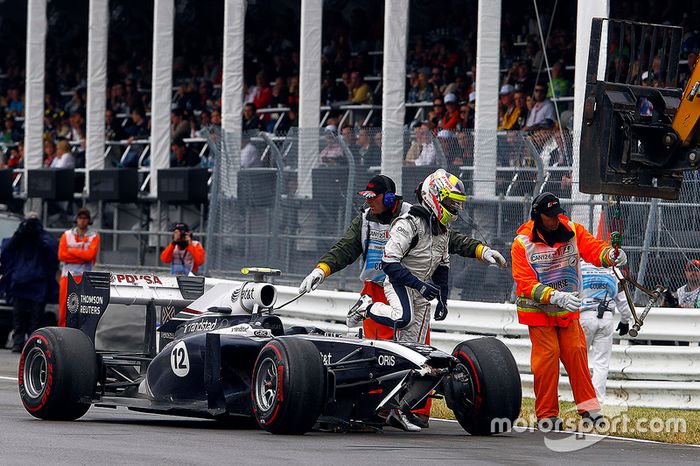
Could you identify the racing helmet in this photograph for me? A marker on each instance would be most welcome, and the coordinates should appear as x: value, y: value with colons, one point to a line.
x: 444, y: 195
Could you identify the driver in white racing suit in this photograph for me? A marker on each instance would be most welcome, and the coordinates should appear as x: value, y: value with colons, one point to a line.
x: 416, y: 262
x: 601, y: 298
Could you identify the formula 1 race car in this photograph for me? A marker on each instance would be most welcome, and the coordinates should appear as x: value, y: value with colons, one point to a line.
x: 226, y: 356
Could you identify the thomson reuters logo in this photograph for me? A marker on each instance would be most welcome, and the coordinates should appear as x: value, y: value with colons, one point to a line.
x: 73, y: 303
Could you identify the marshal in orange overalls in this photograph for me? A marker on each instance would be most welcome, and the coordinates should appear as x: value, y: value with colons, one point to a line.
x: 78, y: 253
x: 538, y: 271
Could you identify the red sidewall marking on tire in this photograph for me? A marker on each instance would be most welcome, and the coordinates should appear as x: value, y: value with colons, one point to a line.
x: 476, y: 376
x: 280, y: 374
x: 479, y: 399
x: 49, y: 375
x: 264, y: 420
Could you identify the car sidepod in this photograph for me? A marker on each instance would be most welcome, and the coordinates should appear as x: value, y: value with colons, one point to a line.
x: 206, y: 372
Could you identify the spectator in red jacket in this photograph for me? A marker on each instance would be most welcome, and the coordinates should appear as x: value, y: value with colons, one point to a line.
x: 262, y: 92
x: 450, y: 120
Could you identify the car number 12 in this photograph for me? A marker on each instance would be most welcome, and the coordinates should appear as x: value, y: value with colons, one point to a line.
x: 179, y: 360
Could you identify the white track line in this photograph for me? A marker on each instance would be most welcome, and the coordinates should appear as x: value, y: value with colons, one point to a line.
x: 2, y: 377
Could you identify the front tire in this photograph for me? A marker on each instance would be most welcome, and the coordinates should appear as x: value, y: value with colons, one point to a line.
x: 288, y: 386
x: 490, y: 401
x: 57, y: 373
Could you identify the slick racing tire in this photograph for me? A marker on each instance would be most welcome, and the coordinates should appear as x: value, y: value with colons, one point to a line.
x: 288, y: 386
x: 490, y: 401
x: 57, y: 373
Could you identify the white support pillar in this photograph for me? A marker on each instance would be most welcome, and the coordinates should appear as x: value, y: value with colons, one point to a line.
x: 586, y: 11
x: 394, y: 87
x: 34, y: 88
x: 232, y: 92
x: 309, y: 91
x: 487, y: 85
x: 161, y: 87
x: 98, y: 31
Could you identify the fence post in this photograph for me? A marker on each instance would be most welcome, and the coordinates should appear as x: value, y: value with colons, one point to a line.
x: 279, y: 161
x: 394, y: 88
x: 351, y: 182
x: 648, y: 234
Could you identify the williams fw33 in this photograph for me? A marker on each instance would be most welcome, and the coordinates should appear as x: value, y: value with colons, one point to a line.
x: 215, y: 349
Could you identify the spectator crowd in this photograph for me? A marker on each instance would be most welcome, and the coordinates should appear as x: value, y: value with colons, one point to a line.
x: 439, y: 88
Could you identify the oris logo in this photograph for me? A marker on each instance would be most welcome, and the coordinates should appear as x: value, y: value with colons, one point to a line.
x: 386, y: 360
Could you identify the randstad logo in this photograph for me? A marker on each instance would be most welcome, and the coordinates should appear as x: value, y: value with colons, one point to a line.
x: 542, y: 256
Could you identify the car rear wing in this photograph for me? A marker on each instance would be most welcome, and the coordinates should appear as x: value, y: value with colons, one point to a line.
x: 163, y: 296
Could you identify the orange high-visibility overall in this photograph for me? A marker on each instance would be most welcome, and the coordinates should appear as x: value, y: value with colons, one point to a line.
x: 77, y: 254
x: 538, y: 271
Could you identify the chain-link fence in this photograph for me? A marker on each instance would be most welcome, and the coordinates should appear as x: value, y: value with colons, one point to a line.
x: 274, y: 207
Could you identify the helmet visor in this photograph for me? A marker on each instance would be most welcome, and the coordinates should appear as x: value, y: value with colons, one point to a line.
x: 454, y: 206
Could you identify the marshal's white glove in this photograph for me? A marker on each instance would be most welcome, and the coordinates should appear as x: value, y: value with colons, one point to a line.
x: 493, y: 257
x: 621, y: 259
x: 312, y: 281
x: 569, y: 301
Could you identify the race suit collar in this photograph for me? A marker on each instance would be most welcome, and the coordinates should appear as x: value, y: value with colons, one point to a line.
x: 421, y: 212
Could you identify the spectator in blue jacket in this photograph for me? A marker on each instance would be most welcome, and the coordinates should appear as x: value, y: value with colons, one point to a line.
x: 28, y: 263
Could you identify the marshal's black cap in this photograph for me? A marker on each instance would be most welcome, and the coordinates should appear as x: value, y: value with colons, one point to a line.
x: 548, y: 204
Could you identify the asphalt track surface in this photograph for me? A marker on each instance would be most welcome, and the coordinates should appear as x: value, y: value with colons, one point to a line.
x: 108, y: 436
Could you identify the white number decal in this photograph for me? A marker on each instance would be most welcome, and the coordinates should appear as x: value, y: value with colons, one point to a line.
x: 180, y: 360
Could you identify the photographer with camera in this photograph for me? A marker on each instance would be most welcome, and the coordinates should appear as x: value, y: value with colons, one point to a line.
x: 184, y: 254
x: 28, y: 263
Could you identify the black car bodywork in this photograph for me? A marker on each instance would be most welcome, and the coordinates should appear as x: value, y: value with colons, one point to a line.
x: 224, y: 364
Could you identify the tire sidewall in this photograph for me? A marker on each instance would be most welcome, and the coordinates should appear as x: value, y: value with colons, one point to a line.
x: 496, y: 384
x: 276, y: 352
x: 45, y: 401
x: 71, y: 366
x: 301, y: 386
x: 469, y: 414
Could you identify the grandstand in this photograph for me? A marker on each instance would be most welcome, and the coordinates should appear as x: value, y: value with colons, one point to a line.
x: 283, y: 169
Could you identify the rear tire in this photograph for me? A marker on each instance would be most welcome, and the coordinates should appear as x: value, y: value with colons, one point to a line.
x: 57, y: 373
x: 288, y: 386
x: 493, y: 392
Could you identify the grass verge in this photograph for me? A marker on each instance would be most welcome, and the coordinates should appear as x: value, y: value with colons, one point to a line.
x: 631, y: 422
